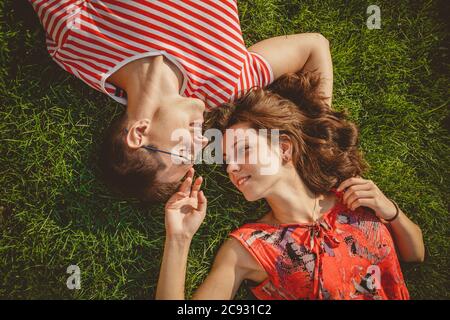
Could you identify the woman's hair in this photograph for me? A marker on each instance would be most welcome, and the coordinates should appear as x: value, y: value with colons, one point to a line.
x: 325, y: 144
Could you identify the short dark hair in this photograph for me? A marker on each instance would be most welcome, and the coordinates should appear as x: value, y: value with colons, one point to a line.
x: 131, y: 172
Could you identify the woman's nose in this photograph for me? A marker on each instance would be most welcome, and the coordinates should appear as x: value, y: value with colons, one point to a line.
x: 232, y: 167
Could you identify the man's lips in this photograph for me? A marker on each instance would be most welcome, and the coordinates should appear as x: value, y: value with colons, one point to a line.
x: 242, y: 180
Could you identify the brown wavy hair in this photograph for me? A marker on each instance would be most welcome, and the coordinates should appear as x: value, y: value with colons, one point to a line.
x: 324, y: 142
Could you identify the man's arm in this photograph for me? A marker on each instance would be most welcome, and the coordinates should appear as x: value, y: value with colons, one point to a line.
x: 299, y: 52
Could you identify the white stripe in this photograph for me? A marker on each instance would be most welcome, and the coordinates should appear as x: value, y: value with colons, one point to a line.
x: 164, y: 45
x: 43, y: 6
x: 260, y: 75
x: 102, y: 40
x: 232, y: 12
x: 77, y: 72
x: 45, y: 17
x: 92, y: 54
x: 82, y: 64
x: 58, y: 25
x: 35, y: 3
x: 197, y: 21
x: 82, y: 59
x: 183, y: 43
x: 57, y: 16
x: 206, y: 5
x: 253, y: 71
x: 185, y: 5
x: 192, y: 28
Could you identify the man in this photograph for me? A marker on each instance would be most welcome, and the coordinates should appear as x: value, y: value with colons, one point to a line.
x: 168, y: 62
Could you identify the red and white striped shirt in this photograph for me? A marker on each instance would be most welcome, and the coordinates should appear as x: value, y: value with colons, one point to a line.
x: 93, y: 39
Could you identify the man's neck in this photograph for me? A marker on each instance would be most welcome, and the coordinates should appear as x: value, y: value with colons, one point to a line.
x: 148, y: 82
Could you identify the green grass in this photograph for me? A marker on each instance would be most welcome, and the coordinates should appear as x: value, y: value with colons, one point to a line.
x: 54, y: 212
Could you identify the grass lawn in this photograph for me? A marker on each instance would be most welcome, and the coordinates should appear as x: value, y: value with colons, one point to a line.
x: 54, y: 212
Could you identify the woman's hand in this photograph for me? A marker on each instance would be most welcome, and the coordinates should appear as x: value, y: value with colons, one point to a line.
x: 361, y: 192
x: 186, y: 209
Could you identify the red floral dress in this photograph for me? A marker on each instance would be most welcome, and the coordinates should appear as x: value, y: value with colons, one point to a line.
x: 344, y: 255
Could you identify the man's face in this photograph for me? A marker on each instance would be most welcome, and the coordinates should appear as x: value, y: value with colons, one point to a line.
x: 178, y: 130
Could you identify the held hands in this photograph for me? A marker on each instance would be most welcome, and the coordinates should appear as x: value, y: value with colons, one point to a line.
x: 186, y: 209
x: 361, y: 192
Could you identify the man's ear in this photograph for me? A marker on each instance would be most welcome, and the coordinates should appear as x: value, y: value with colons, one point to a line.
x: 138, y: 133
x: 285, y: 147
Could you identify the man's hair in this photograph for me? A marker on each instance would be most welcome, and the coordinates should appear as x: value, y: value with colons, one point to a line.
x: 325, y: 143
x: 132, y: 172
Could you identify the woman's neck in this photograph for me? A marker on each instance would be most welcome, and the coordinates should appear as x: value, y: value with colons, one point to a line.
x: 292, y: 201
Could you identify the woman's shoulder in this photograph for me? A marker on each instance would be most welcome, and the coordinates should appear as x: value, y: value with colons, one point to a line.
x: 235, y: 252
x: 251, y: 226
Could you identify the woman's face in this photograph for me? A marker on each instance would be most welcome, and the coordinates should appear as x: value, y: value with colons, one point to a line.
x: 253, y: 166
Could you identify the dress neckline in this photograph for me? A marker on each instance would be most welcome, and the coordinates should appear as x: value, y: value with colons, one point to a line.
x: 338, y: 204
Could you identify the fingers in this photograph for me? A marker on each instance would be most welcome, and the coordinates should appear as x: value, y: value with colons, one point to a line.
x: 350, y: 182
x: 185, y: 187
x: 196, y: 187
x: 358, y: 188
x: 362, y: 202
x: 358, y: 195
x: 202, y: 202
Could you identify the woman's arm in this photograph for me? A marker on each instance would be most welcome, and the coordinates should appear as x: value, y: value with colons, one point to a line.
x: 299, y: 52
x: 407, y: 235
x: 231, y: 266
x: 184, y: 212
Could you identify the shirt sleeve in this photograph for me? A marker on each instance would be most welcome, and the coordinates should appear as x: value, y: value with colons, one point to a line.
x: 262, y: 70
x: 256, y: 72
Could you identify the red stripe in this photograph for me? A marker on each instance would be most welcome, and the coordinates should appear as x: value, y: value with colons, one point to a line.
x: 234, y: 16
x: 146, y: 43
x: 176, y: 16
x: 201, y: 18
x: 91, y: 49
x: 128, y: 45
x: 183, y: 19
x: 247, y: 74
x: 52, y: 14
x: 77, y: 67
x: 97, y: 68
x: 89, y: 58
x: 92, y: 40
x: 257, y: 69
x: 176, y: 26
x: 266, y: 73
x: 175, y: 35
x: 213, y: 14
x: 71, y: 62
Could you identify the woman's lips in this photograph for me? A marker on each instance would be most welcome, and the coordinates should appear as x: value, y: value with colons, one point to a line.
x: 242, y: 181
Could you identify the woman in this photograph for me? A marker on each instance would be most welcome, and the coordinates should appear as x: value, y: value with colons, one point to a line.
x: 326, y: 235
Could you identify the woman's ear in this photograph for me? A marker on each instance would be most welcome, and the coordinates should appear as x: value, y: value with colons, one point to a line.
x: 285, y: 147
x: 138, y: 134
